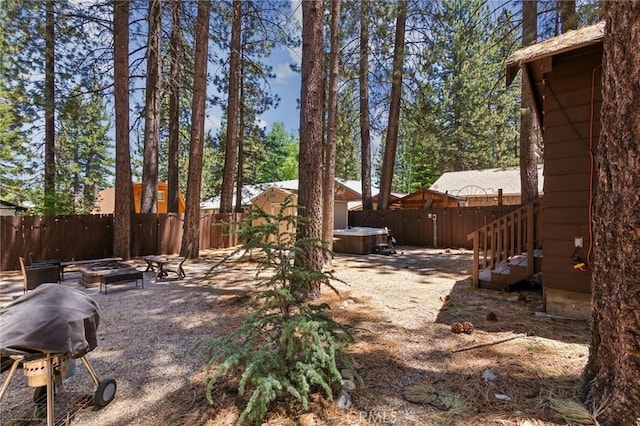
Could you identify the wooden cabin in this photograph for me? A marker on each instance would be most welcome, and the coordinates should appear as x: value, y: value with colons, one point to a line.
x: 106, y: 201
x: 564, y: 74
x: 425, y: 199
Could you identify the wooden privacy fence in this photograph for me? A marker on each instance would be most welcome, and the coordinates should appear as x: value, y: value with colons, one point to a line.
x: 438, y: 228
x: 81, y: 237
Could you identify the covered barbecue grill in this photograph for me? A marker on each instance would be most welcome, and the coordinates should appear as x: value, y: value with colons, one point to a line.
x: 44, y: 331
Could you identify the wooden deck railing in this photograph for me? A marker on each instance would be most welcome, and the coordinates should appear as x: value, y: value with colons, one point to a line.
x: 513, y: 234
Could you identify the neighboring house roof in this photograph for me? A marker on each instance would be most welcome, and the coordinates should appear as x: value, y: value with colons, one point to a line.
x: 570, y: 40
x: 6, y: 206
x: 481, y: 182
x: 426, y: 198
x: 249, y: 192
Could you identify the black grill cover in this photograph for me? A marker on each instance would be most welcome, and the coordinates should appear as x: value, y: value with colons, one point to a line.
x: 49, y: 319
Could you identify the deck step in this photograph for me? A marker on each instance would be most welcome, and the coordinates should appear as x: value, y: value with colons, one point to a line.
x: 509, y: 272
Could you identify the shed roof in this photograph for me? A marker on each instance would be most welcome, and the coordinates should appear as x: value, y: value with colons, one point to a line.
x: 570, y: 40
x: 487, y: 181
x: 249, y: 192
x: 12, y: 205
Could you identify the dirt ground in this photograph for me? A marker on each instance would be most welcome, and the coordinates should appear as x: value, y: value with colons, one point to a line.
x: 400, y: 308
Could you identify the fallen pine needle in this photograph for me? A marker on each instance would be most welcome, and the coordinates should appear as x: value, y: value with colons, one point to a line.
x: 495, y: 342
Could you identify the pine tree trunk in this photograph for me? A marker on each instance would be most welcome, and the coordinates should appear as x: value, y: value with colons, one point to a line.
x: 391, y: 142
x: 240, y: 175
x: 174, y: 108
x: 528, y: 120
x: 310, y: 167
x: 365, y: 125
x: 231, y: 147
x: 49, y: 112
x: 191, y: 235
x: 124, y: 189
x: 568, y: 16
x: 612, y: 374
x: 328, y: 192
x: 149, y: 196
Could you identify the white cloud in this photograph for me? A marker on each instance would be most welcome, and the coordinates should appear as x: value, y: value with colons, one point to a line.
x: 283, y: 72
x: 212, y: 122
x: 262, y: 123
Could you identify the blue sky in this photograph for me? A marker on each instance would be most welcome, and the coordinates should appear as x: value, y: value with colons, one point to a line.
x: 286, y: 85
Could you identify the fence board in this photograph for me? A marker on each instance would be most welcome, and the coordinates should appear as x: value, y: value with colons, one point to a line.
x: 170, y: 230
x: 11, y: 236
x: 144, y: 234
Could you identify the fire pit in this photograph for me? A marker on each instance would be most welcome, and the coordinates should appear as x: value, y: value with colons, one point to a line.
x: 91, y: 275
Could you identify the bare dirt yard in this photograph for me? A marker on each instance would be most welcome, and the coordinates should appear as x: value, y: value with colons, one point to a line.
x: 416, y: 371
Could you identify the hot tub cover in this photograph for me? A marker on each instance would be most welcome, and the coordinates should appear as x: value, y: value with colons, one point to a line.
x: 50, y: 319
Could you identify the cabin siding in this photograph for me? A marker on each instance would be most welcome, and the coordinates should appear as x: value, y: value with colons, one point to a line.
x: 567, y: 92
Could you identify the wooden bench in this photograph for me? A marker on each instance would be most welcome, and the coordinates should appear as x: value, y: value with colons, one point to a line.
x: 164, y: 266
x: 120, y: 277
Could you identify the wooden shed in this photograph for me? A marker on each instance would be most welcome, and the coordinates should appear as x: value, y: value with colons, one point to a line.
x: 271, y: 198
x: 564, y: 74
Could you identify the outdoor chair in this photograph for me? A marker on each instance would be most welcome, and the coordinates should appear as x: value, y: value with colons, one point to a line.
x: 47, y: 262
x: 35, y: 275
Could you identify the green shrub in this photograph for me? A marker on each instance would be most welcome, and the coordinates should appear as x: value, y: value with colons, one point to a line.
x: 286, y: 346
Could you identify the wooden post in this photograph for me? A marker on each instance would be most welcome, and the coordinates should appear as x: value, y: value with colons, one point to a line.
x: 530, y: 238
x: 475, y: 270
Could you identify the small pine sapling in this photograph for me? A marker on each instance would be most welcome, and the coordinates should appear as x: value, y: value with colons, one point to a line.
x: 286, y: 346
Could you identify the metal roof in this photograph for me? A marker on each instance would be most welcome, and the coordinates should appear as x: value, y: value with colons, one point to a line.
x: 480, y: 182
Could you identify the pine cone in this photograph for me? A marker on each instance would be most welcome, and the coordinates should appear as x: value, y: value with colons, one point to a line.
x: 491, y: 316
x: 522, y: 298
x: 457, y: 327
x: 467, y: 327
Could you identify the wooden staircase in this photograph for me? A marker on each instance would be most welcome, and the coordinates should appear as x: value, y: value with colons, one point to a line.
x: 509, y: 249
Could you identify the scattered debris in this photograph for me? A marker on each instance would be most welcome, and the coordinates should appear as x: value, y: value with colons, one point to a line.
x: 574, y: 412
x: 344, y: 400
x: 346, y: 374
x: 495, y: 342
x: 308, y: 419
x: 462, y: 327
x: 422, y: 393
x: 502, y: 397
x: 425, y: 393
x: 489, y: 375
x: 546, y: 315
x: 348, y: 385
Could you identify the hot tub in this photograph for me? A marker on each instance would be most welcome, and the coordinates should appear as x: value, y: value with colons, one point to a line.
x: 359, y: 239
x: 91, y: 274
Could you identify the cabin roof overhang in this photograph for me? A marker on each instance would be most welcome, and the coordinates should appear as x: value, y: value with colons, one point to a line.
x: 566, y: 42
